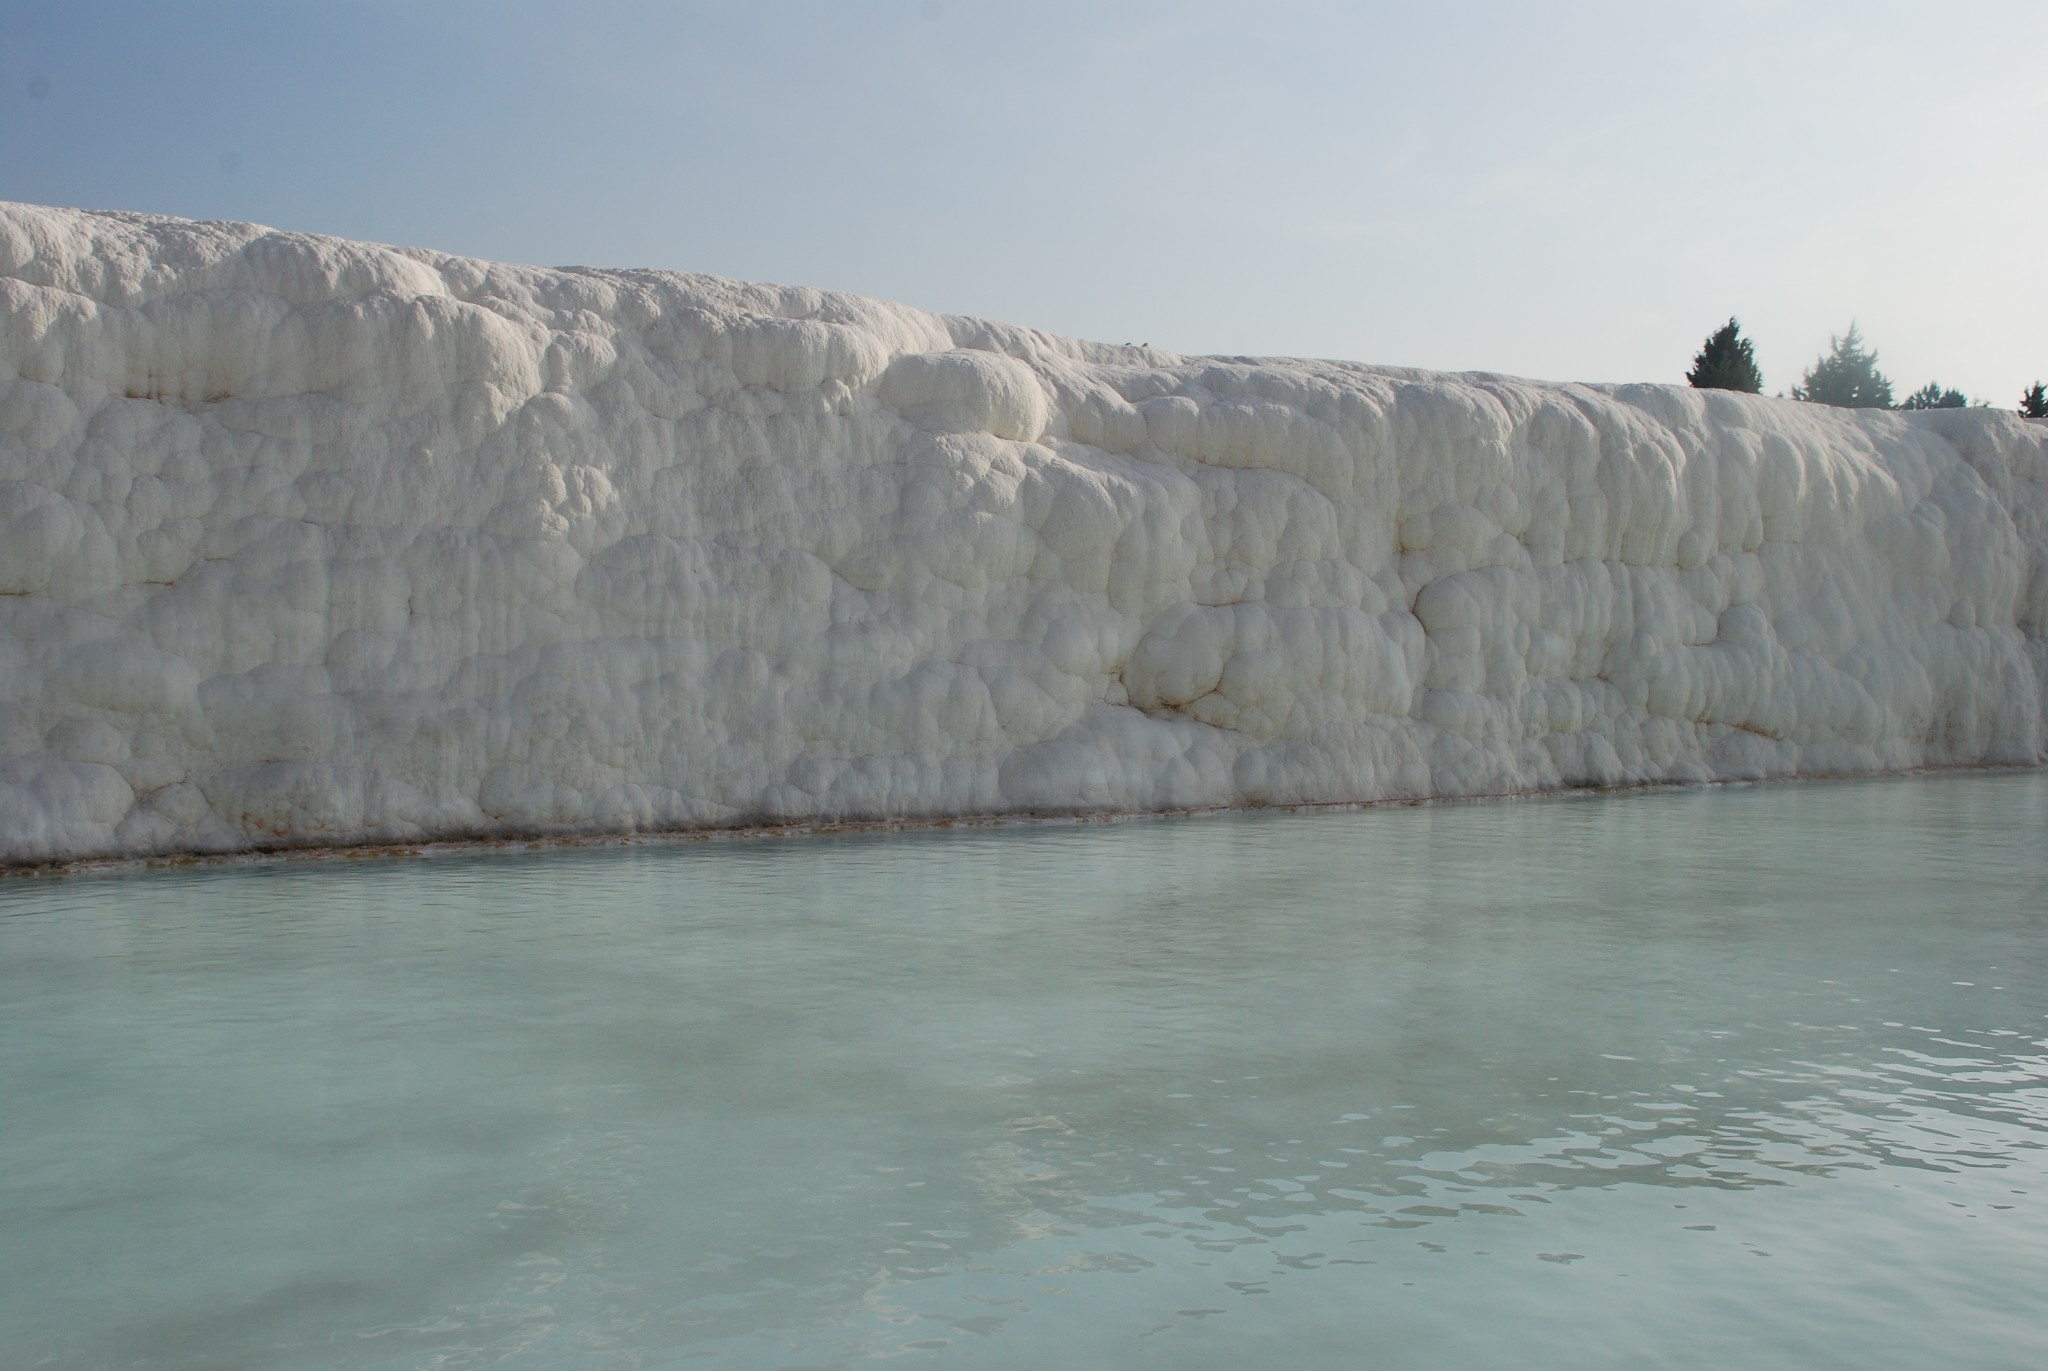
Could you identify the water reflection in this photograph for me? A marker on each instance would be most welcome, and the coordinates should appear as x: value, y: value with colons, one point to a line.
x: 1663, y: 1079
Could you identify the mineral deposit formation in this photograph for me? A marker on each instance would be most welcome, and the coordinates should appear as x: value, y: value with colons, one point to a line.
x: 306, y: 541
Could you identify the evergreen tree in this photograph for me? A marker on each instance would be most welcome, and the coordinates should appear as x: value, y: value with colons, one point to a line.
x: 1727, y: 361
x: 1847, y: 376
x: 1932, y: 396
x: 2034, y: 402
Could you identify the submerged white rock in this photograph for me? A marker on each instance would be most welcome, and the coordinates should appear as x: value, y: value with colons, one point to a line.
x: 310, y: 541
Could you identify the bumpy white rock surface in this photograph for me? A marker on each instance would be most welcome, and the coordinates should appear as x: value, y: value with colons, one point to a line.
x: 306, y: 541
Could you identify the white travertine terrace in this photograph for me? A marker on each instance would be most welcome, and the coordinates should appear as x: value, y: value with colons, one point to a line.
x: 306, y: 541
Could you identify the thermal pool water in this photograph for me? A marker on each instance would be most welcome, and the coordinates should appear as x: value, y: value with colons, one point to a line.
x: 1749, y: 1077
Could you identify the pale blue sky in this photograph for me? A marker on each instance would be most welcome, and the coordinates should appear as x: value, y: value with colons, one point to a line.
x: 1571, y: 190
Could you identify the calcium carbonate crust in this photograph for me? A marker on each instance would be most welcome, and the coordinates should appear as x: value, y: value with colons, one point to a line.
x: 311, y: 542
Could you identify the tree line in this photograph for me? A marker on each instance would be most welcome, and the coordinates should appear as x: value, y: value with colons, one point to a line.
x: 1845, y: 375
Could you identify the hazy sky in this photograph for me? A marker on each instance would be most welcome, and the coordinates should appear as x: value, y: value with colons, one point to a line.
x: 1569, y: 190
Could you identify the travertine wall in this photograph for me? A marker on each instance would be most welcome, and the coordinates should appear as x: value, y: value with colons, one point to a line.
x: 311, y: 541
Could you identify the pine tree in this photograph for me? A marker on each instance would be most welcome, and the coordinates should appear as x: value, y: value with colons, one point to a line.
x: 1932, y: 396
x: 1727, y: 361
x: 1847, y: 376
x: 2034, y: 402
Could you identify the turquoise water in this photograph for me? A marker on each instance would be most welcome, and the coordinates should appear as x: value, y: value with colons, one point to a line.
x: 1725, y: 1078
